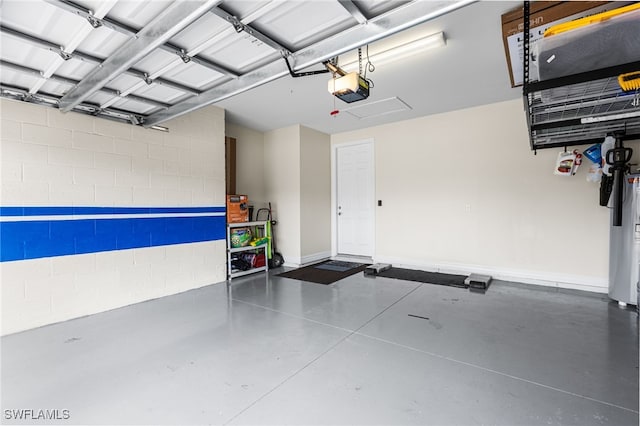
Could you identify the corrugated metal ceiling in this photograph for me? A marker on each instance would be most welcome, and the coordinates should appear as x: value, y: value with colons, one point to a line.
x: 148, y: 61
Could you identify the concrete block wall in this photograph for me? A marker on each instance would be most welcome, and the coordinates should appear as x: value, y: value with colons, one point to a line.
x: 96, y: 214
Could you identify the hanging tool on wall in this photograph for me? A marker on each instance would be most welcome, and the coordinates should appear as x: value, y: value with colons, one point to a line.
x: 618, y: 159
x: 275, y: 259
x: 578, y: 162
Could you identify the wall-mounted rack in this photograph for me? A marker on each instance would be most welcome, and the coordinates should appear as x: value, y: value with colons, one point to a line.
x: 578, y: 109
x: 234, y: 251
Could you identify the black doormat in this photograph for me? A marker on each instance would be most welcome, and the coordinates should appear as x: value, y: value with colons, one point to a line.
x: 337, y: 265
x: 323, y: 275
x: 425, y: 277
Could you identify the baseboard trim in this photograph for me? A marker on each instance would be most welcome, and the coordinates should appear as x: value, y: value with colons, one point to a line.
x: 352, y: 258
x: 306, y: 260
x: 567, y: 281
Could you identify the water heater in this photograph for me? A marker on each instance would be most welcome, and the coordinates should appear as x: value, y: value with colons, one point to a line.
x: 624, y: 246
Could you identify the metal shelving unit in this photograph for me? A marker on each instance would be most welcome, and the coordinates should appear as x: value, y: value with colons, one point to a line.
x: 579, y: 109
x: 231, y: 251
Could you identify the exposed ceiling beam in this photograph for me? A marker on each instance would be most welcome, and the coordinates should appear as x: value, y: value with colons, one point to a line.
x: 354, y: 10
x: 41, y: 43
x: 59, y: 79
x: 387, y: 24
x: 125, y: 29
x: 35, y: 73
x: 167, y: 24
x: 185, y: 56
x: 236, y: 25
x: 47, y: 99
x: 95, y: 21
x: 240, y: 26
x: 82, y: 33
x: 52, y: 47
x: 264, y: 7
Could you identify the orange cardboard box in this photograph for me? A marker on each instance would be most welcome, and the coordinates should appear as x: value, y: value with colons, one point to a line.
x: 237, y: 208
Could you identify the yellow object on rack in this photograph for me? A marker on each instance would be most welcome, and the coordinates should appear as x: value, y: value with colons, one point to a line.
x: 259, y: 241
x: 588, y: 20
x: 629, y: 81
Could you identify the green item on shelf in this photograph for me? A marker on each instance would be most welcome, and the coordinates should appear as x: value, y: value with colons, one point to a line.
x: 259, y: 241
x: 240, y: 237
x: 269, y: 251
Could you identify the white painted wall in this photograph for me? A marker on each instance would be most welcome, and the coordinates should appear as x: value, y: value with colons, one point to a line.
x: 282, y: 187
x: 54, y: 159
x: 315, y: 195
x: 297, y: 176
x: 249, y: 163
x: 462, y: 192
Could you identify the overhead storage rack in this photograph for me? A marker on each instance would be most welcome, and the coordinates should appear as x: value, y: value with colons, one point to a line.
x: 581, y: 108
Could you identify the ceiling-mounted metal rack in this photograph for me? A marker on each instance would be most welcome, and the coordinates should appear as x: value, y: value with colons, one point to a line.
x: 578, y: 109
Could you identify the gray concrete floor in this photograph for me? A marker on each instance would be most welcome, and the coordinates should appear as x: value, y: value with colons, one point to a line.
x: 280, y: 351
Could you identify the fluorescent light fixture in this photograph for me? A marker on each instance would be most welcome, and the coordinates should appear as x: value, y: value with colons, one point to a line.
x: 599, y: 119
x: 431, y: 41
x: 161, y: 128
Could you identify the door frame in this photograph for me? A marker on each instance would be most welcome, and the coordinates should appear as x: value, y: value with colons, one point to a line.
x: 334, y: 190
x: 230, y: 165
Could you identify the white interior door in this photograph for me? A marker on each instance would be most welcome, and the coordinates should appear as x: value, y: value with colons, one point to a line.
x: 355, y: 199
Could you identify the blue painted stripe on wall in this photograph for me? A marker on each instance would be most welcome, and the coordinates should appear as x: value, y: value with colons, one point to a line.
x: 21, y: 240
x: 80, y: 210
